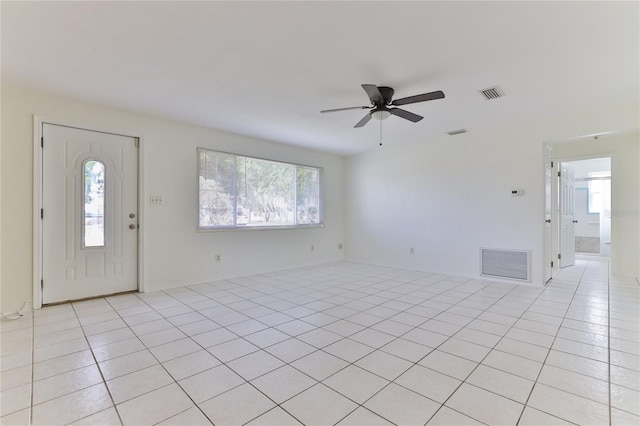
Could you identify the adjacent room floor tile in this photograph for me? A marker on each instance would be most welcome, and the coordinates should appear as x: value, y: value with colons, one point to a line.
x: 429, y: 383
x: 65, y: 383
x: 319, y: 405
x: 120, y: 366
x: 275, y: 416
x: 137, y: 383
x: 568, y: 406
x: 505, y: 384
x: 155, y: 406
x: 484, y: 406
x: 73, y: 406
x: 363, y: 417
x: 255, y: 364
x: 319, y: 365
x: 384, y: 364
x: 402, y: 406
x: 290, y: 350
x: 191, y: 417
x: 446, y: 416
x: 210, y: 383
x: 237, y: 406
x: 283, y: 383
x: 355, y: 383
x: 191, y: 364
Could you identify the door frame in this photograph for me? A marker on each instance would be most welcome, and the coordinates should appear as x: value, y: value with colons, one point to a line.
x: 547, y: 237
x: 555, y: 218
x: 38, y: 190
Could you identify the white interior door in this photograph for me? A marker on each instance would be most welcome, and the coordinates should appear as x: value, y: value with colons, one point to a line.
x: 567, y: 220
x: 89, y: 217
x: 548, y: 171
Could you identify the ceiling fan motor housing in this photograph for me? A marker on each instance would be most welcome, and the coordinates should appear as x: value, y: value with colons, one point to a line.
x: 387, y: 95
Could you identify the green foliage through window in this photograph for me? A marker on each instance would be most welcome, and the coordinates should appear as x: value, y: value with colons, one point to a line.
x: 238, y: 191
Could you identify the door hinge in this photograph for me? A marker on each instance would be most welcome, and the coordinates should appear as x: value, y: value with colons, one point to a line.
x: 137, y: 143
x: 552, y: 263
x: 41, y: 141
x: 559, y: 256
x: 41, y: 285
x: 41, y: 213
x: 552, y: 164
x: 558, y: 174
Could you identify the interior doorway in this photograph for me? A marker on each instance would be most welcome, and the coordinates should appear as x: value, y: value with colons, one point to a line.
x: 590, y: 208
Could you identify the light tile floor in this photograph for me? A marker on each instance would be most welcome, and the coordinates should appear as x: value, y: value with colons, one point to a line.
x: 342, y: 343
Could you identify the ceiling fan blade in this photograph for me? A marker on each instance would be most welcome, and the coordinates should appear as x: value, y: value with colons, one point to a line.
x: 419, y: 98
x: 364, y: 120
x: 374, y: 94
x: 405, y: 114
x: 344, y: 109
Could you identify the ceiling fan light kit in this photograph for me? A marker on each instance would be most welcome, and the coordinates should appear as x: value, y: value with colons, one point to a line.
x: 380, y: 114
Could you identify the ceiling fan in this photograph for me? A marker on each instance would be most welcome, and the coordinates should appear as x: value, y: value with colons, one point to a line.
x: 381, y: 100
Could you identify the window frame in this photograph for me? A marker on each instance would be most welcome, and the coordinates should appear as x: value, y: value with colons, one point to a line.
x: 248, y: 227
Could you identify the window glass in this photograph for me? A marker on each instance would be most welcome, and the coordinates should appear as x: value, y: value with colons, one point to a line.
x: 596, y: 187
x: 239, y: 191
x: 94, y: 196
x: 217, y: 189
x: 308, y: 195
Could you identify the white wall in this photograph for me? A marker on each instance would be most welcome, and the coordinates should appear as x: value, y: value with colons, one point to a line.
x: 175, y: 253
x: 625, y: 203
x: 446, y: 198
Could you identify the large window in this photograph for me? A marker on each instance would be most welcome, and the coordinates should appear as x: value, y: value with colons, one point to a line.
x: 237, y: 191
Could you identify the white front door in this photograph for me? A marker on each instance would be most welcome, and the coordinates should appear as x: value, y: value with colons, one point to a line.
x: 90, y: 215
x: 567, y: 221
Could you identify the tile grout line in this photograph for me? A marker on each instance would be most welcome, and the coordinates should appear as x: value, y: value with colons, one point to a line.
x: 33, y: 364
x: 609, y: 339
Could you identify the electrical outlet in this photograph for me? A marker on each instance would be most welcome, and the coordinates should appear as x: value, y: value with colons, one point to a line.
x: 340, y: 246
x: 412, y: 251
x: 218, y: 258
x: 155, y: 199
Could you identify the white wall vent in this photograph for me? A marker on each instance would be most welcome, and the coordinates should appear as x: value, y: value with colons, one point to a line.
x: 504, y: 263
x: 494, y: 92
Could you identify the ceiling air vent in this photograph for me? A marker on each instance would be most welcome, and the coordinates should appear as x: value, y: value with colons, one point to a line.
x: 494, y: 92
x: 457, y: 132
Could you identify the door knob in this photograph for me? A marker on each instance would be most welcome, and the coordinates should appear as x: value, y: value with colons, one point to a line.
x: 575, y: 221
x: 548, y: 220
x: 132, y: 215
x: 132, y: 226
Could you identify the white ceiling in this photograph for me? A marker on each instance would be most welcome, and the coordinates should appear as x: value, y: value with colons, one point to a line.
x: 266, y: 69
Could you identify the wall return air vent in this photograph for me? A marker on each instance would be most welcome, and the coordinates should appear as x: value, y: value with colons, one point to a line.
x: 490, y: 93
x: 503, y: 263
